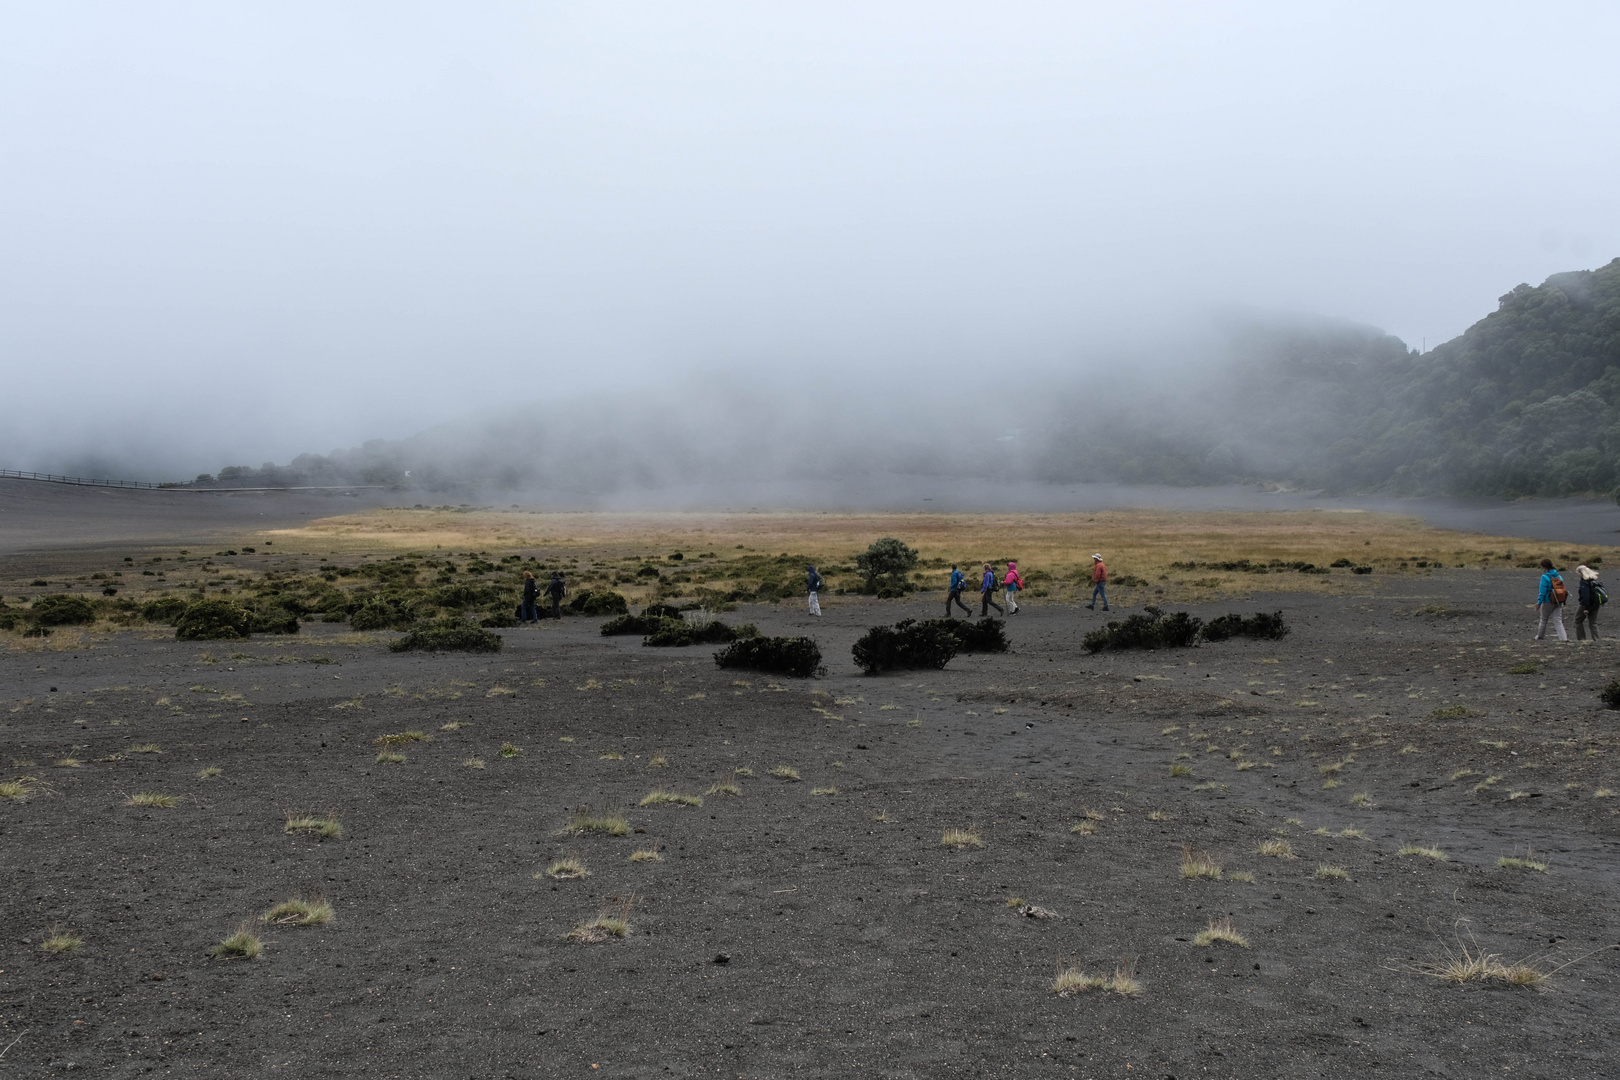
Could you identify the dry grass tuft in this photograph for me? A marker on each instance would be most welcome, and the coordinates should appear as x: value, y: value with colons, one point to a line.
x: 658, y: 797
x: 824, y: 791
x: 326, y: 828
x: 474, y: 763
x: 1353, y: 834
x: 152, y: 799
x: 785, y: 772
x: 660, y: 760
x: 389, y: 757
x: 244, y: 944
x: 1159, y: 815
x: 211, y: 772
x: 1427, y: 852
x: 401, y: 739
x: 612, y: 922
x: 1196, y: 863
x: 1221, y: 933
x: 58, y: 941
x: 1460, y: 773
x: 612, y: 824
x: 1240, y: 875
x: 743, y: 773
x: 16, y: 790
x: 1277, y: 849
x: 647, y: 854
x: 962, y: 839
x: 1085, y: 827
x: 312, y: 910
x: 509, y: 750
x: 1361, y: 800
x: 1123, y: 980
x: 1469, y: 962
x: 1072, y: 979
x: 1527, y: 861
x: 724, y: 788
x: 1603, y: 793
x: 1329, y: 872
x: 146, y: 748
x: 68, y: 763
x: 567, y: 868
x: 454, y: 725
x: 1181, y: 770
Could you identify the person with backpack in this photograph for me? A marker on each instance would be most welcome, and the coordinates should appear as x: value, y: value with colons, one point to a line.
x: 987, y: 589
x: 556, y: 590
x: 1591, y: 596
x: 531, y: 593
x: 1550, y: 602
x: 1012, y: 583
x: 1099, y: 582
x: 954, y: 593
x: 813, y: 580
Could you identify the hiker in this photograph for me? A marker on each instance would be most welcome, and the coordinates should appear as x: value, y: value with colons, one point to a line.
x: 1591, y: 595
x: 987, y: 589
x: 531, y: 593
x: 954, y: 593
x: 1099, y: 582
x: 813, y: 579
x: 1550, y: 602
x: 555, y: 589
x: 1013, y: 583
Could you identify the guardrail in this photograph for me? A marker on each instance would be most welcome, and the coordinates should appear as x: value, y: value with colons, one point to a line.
x: 81, y: 481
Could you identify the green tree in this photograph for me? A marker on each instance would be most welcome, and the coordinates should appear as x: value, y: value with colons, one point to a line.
x: 887, y: 558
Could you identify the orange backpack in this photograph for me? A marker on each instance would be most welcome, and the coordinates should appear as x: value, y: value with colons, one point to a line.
x: 1559, y: 593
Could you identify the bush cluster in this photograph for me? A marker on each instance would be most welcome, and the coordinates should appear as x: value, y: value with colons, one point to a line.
x: 1259, y: 625
x: 598, y: 603
x: 1610, y: 694
x: 1146, y: 632
x: 213, y: 620
x: 448, y: 634
x: 675, y: 632
x: 798, y: 657
x: 908, y: 644
x: 984, y: 636
x: 61, y: 609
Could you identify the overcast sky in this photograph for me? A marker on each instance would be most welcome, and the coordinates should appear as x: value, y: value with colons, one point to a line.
x: 235, y: 232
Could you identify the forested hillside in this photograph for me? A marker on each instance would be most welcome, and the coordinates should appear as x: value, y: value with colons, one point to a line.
x: 1525, y: 402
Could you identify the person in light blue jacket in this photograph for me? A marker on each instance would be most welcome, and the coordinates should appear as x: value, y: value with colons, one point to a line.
x: 1550, y: 602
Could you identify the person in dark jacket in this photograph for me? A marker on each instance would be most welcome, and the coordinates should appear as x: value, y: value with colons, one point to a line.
x: 1590, y: 597
x: 987, y: 589
x: 813, y: 580
x: 531, y: 593
x: 555, y: 589
x: 954, y: 592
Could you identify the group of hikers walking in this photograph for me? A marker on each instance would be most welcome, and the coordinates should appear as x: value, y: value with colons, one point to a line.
x: 1590, y: 596
x: 555, y: 589
x: 1010, y: 584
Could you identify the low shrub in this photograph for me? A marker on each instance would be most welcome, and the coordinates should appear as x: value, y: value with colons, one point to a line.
x: 598, y: 603
x: 213, y: 620
x: 1176, y: 631
x: 630, y: 624
x: 165, y: 609
x: 274, y: 619
x: 498, y: 620
x: 675, y: 632
x: 386, y: 612
x: 906, y: 645
x: 984, y: 636
x: 798, y: 657
x: 1259, y: 625
x: 1610, y: 694
x: 448, y: 635
x: 61, y: 609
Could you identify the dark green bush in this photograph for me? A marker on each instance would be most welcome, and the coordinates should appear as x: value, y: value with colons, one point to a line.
x: 630, y: 624
x: 1361, y: 569
x: 463, y: 596
x: 675, y: 632
x: 798, y: 657
x: 1610, y: 694
x: 498, y: 620
x: 984, y: 636
x: 448, y: 635
x: 601, y: 602
x: 213, y: 620
x: 386, y: 612
x: 61, y: 609
x: 274, y: 619
x: 1176, y: 631
x: 11, y: 618
x: 1259, y: 625
x: 906, y: 645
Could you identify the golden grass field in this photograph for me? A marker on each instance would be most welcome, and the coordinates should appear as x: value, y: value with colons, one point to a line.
x: 1053, y: 549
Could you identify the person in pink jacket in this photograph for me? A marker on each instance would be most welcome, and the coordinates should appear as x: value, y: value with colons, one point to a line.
x: 1013, y: 584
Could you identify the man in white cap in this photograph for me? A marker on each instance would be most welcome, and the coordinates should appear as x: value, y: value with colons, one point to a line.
x: 1099, y: 582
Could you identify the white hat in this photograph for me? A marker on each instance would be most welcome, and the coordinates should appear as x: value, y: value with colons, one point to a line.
x: 1097, y: 557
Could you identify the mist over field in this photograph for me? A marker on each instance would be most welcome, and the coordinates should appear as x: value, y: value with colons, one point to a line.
x: 618, y: 249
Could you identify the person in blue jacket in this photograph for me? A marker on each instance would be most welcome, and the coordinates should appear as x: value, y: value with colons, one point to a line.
x: 958, y: 583
x: 987, y: 589
x: 1549, y: 607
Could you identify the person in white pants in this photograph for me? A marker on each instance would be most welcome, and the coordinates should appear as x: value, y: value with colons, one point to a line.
x: 813, y: 580
x: 1548, y: 607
